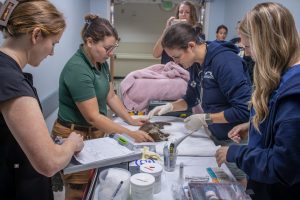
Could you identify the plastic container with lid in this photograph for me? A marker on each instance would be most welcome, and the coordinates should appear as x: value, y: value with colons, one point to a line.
x: 142, y: 186
x: 109, y: 182
x: 154, y: 169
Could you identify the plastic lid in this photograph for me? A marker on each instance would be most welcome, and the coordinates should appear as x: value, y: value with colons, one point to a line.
x: 211, y: 195
x: 151, y: 168
x: 142, y: 179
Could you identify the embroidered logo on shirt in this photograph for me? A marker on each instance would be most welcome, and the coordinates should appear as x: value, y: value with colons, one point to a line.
x: 208, y: 75
x: 193, y: 84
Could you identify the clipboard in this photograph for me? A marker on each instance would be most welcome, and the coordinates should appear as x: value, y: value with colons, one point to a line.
x: 108, y: 145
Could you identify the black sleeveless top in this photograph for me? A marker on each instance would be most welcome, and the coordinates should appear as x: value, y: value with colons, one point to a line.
x: 18, y: 179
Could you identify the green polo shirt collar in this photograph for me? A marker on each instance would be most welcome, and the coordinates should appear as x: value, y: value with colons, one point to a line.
x: 85, y: 57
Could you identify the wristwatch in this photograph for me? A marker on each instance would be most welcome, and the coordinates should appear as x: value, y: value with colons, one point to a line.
x: 208, y: 119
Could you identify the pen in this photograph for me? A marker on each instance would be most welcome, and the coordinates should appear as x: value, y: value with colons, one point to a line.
x: 58, y: 140
x: 117, y: 190
x: 212, y: 175
x: 171, y: 148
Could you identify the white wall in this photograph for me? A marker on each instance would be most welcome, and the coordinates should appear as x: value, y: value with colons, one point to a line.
x: 100, y: 7
x: 46, y: 76
x: 215, y: 17
x: 140, y: 23
x: 230, y: 11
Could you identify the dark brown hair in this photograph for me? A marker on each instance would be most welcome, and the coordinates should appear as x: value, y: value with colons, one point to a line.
x: 97, y: 28
x: 222, y: 27
x: 179, y: 35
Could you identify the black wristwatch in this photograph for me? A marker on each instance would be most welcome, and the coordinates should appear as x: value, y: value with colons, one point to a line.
x: 208, y: 119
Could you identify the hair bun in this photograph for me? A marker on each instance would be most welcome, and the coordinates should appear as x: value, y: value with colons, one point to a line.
x: 90, y: 17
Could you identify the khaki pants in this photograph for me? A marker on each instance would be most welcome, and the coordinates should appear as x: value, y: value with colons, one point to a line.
x: 75, y: 183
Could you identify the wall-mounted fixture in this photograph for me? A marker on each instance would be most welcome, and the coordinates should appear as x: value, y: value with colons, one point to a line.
x: 167, y: 5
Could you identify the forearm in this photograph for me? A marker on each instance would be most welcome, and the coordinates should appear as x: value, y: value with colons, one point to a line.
x: 218, y: 117
x: 117, y: 106
x: 180, y: 105
x: 61, y: 156
x: 106, y: 125
x: 158, y: 49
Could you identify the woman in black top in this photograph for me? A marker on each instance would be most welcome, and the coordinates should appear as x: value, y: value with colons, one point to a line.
x: 28, y: 155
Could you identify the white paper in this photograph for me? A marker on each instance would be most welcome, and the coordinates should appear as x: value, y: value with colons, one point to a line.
x: 101, y: 149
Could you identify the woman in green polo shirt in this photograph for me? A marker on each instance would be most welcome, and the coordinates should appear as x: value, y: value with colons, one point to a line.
x: 85, y: 90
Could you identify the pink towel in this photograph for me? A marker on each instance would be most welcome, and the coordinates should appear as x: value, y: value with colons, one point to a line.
x: 156, y: 82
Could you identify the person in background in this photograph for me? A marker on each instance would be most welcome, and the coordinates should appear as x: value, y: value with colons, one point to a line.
x: 221, y: 33
x: 185, y: 12
x: 219, y: 82
x: 271, y: 158
x: 85, y: 90
x: 28, y: 155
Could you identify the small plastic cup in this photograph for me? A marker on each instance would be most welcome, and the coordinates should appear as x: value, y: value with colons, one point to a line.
x: 170, y: 160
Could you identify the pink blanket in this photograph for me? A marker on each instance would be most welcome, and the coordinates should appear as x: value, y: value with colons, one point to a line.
x: 157, y: 82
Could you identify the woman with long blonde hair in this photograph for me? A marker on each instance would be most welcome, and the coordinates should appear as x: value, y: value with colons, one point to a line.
x: 271, y: 158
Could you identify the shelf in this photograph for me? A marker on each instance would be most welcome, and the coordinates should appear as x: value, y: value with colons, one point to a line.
x: 135, y: 56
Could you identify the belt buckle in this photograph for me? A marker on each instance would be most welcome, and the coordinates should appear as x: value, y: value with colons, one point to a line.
x: 76, y: 186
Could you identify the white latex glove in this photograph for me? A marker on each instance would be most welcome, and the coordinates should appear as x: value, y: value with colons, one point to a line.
x: 195, y: 122
x: 160, y: 110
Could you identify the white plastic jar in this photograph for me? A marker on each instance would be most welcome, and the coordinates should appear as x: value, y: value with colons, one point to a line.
x: 142, y: 186
x: 154, y: 169
x: 108, y: 182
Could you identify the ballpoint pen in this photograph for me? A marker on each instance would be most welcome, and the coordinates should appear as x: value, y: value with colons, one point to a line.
x: 58, y: 139
x: 117, y: 190
x: 171, y: 150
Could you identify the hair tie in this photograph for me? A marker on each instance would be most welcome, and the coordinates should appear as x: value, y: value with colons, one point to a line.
x: 5, y: 11
x: 88, y: 22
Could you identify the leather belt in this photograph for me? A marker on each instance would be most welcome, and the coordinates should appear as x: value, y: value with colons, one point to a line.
x: 77, y: 127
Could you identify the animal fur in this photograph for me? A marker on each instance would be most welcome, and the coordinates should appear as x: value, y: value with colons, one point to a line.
x: 153, y: 129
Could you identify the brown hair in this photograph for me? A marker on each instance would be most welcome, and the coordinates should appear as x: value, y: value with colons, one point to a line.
x: 97, y: 28
x: 30, y: 14
x: 193, y: 11
x: 275, y: 45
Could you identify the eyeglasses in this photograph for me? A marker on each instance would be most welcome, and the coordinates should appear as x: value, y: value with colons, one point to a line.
x: 111, y: 48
